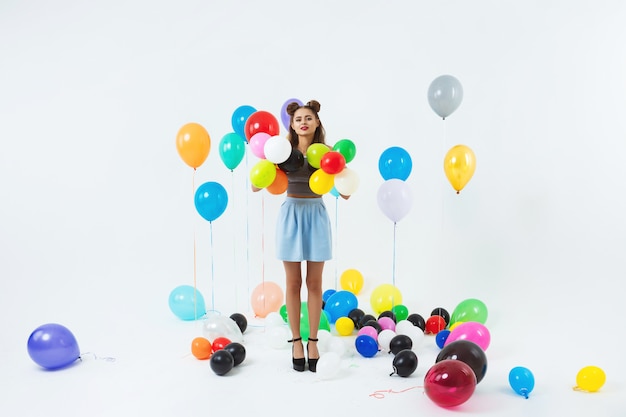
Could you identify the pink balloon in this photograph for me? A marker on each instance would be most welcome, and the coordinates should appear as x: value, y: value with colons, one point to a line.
x: 257, y: 144
x: 368, y: 331
x: 472, y: 331
x: 387, y: 323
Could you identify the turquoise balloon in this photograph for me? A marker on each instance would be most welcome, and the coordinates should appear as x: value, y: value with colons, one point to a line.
x: 232, y: 150
x: 187, y: 303
x: 239, y: 119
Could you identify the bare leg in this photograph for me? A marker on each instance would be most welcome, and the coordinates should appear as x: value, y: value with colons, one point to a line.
x: 314, y: 301
x: 293, y: 273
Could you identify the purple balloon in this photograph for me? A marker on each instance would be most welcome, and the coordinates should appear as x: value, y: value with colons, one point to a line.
x: 284, y: 117
x: 53, y: 346
x: 395, y: 199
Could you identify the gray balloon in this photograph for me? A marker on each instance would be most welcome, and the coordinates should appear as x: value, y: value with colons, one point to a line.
x: 445, y: 95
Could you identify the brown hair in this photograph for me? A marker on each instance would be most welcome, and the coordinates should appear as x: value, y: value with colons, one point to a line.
x: 314, y: 106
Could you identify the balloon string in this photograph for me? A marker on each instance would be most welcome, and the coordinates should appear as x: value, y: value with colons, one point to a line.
x: 247, y: 230
x: 212, y: 268
x: 380, y: 394
x: 195, y: 288
x: 393, y: 275
x: 336, y: 239
x: 106, y: 359
x: 232, y: 188
x: 263, y: 247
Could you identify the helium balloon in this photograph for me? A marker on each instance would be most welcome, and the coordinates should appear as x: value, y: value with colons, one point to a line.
x: 232, y: 150
x: 399, y: 343
x: 53, y: 346
x: 261, y: 121
x: 294, y: 162
x: 332, y: 162
x: 193, y: 144
x: 263, y: 173
x: 346, y: 182
x: 284, y: 116
x: 521, y: 380
x: 239, y: 118
x: 241, y: 321
x: 459, y: 166
x: 366, y: 346
x: 201, y: 348
x: 404, y: 363
x: 445, y: 95
x: 468, y: 352
x: 237, y: 350
x: 395, y: 162
x: 449, y: 383
x: 211, y: 200
x: 222, y: 362
x: 277, y: 149
x: 394, y: 198
x: 347, y: 148
x: 590, y: 379
x: 187, y: 303
x: 314, y: 154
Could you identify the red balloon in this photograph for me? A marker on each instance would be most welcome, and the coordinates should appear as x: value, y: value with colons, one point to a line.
x: 435, y: 324
x: 449, y: 383
x: 332, y: 162
x: 219, y: 343
x: 261, y: 121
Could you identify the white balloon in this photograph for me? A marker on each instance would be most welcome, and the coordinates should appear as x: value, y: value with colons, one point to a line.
x: 274, y: 319
x: 336, y: 345
x: 328, y: 365
x: 404, y: 327
x: 346, y: 181
x: 277, y: 337
x: 277, y: 149
x: 384, y: 338
x: 324, y: 337
x: 216, y: 325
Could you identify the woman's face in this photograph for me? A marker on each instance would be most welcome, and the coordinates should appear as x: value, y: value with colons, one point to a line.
x: 304, y: 122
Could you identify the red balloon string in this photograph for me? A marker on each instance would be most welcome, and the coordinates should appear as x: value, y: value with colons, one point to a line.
x: 380, y: 394
x: 263, y: 248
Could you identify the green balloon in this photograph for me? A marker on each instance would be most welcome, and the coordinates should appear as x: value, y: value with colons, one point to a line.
x: 470, y: 309
x: 232, y: 150
x: 346, y: 148
x: 400, y: 311
x: 283, y: 312
x: 305, y: 329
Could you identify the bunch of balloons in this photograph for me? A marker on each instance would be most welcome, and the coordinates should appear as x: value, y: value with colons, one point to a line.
x: 394, y: 196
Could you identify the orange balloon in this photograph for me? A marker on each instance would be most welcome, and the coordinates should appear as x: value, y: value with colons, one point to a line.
x: 193, y: 144
x: 279, y: 185
x: 201, y: 348
x: 266, y: 298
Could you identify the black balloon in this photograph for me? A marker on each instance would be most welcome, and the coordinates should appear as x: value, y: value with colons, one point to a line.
x: 417, y: 320
x: 404, y: 363
x: 388, y: 313
x: 468, y: 352
x: 293, y: 163
x: 441, y: 312
x: 356, y: 315
x: 237, y: 350
x: 375, y: 324
x: 241, y: 321
x: 222, y: 362
x: 400, y: 342
x: 365, y: 319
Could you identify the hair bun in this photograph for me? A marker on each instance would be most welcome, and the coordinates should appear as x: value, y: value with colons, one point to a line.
x: 315, y: 105
x: 292, y: 107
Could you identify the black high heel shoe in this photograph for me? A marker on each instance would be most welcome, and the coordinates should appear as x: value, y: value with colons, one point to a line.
x: 312, y: 361
x: 298, y: 363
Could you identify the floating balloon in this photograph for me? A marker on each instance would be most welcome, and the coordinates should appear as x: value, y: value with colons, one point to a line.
x: 232, y: 150
x: 468, y: 352
x: 201, y: 348
x: 351, y: 280
x: 346, y: 182
x: 314, y: 154
x: 366, y: 345
x: 395, y: 199
x: 193, y: 144
x: 332, y: 162
x: 277, y: 149
x: 395, y: 162
x: 321, y: 182
x: 470, y: 309
x: 404, y: 363
x: 261, y: 121
x: 449, y: 383
x: 280, y: 183
x: 239, y: 118
x: 347, y: 148
x: 284, y: 116
x: 211, y: 200
x: 522, y: 380
x: 590, y: 379
x: 263, y: 174
x: 222, y: 362
x: 266, y: 297
x: 385, y: 297
x: 459, y: 165
x: 187, y: 303
x: 53, y: 346
x: 445, y: 95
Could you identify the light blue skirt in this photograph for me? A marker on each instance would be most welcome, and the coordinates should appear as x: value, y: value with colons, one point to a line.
x: 303, y: 231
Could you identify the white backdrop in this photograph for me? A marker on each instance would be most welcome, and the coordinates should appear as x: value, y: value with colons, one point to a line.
x: 97, y: 217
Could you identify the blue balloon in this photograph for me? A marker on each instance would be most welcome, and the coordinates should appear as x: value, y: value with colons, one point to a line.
x: 334, y: 192
x: 366, y: 345
x: 187, y: 303
x: 441, y: 337
x: 522, y: 380
x: 395, y: 162
x: 340, y: 304
x: 239, y: 119
x: 327, y: 294
x: 211, y: 200
x: 53, y: 346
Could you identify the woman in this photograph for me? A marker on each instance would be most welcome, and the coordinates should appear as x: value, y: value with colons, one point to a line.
x: 303, y: 233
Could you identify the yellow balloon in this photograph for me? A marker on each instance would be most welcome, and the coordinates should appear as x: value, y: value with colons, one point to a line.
x: 453, y: 325
x: 321, y: 182
x: 263, y: 173
x: 351, y: 280
x: 314, y: 154
x: 385, y: 297
x: 193, y: 144
x: 344, y: 326
x: 590, y: 379
x: 459, y: 166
